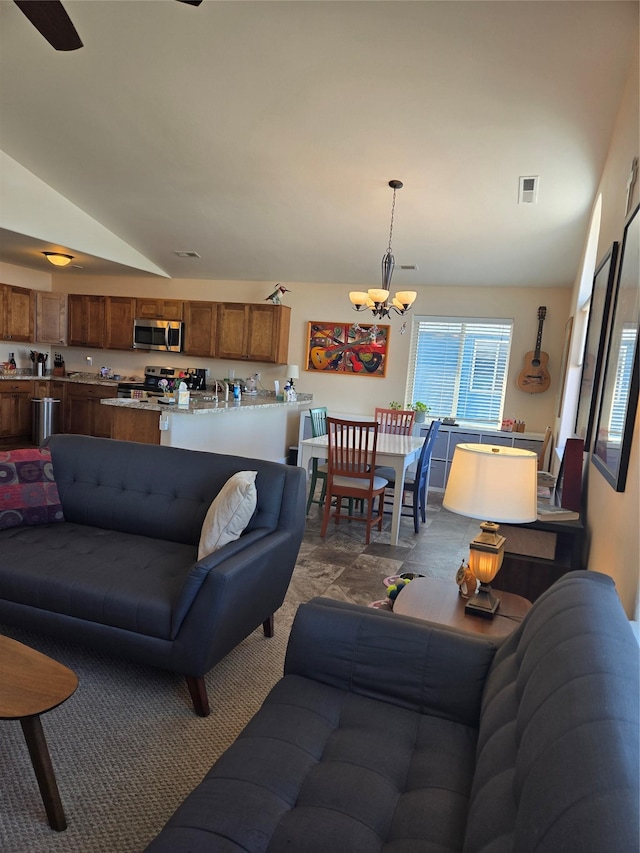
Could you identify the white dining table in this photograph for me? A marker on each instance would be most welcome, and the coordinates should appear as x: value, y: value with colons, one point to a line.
x: 395, y: 451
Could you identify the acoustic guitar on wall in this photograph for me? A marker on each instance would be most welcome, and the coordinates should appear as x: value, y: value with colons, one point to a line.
x: 534, y: 377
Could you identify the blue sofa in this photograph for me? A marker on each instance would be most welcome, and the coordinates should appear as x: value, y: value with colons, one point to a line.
x: 121, y: 572
x: 392, y: 735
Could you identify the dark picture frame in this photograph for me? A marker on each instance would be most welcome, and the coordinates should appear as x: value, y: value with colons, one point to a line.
x: 594, y: 345
x: 621, y: 375
x: 346, y: 349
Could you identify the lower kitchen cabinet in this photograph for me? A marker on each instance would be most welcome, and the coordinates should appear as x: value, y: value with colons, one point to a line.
x: 82, y: 410
x: 15, y: 408
x: 135, y: 425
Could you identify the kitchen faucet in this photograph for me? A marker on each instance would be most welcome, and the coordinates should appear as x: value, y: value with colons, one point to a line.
x: 223, y: 387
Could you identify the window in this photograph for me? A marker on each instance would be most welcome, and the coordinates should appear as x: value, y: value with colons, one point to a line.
x: 458, y: 367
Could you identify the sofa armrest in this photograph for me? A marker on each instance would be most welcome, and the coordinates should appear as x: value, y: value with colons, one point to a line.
x: 405, y: 661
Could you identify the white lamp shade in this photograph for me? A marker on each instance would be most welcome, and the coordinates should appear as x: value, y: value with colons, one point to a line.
x: 358, y: 297
x: 378, y: 295
x: 493, y: 483
x: 292, y: 371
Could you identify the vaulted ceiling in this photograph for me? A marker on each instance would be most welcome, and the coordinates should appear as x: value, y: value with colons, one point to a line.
x: 262, y: 135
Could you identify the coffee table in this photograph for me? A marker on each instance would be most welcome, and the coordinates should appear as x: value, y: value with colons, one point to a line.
x: 31, y: 684
x: 438, y: 600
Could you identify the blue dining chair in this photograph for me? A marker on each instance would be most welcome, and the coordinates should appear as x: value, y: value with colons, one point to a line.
x: 417, y: 485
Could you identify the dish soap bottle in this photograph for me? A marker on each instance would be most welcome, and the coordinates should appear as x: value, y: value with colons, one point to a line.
x: 236, y: 391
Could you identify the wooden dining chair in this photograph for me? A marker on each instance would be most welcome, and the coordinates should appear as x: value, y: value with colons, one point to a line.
x: 417, y: 485
x: 395, y: 421
x: 542, y: 453
x: 318, y: 469
x: 351, y: 473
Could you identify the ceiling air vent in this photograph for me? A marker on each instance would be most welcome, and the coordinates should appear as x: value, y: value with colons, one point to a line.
x: 187, y: 254
x: 528, y: 191
x: 408, y: 266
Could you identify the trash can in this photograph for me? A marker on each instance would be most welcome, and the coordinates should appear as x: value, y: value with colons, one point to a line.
x: 44, y: 418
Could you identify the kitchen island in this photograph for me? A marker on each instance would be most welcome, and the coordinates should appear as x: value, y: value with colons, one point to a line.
x: 257, y: 426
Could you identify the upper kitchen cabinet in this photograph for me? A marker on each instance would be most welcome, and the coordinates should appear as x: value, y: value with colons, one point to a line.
x: 253, y: 332
x: 200, y: 327
x: 16, y: 313
x: 159, y: 309
x: 51, y: 317
x: 119, y: 316
x: 86, y: 320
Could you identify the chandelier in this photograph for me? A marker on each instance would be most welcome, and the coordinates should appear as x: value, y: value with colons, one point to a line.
x: 377, y: 299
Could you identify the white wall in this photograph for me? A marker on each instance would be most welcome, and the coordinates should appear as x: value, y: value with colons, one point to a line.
x: 613, y: 530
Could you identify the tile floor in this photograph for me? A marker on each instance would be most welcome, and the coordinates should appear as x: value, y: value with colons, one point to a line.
x: 341, y: 565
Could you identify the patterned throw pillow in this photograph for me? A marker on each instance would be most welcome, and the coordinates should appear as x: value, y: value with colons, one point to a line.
x: 28, y: 492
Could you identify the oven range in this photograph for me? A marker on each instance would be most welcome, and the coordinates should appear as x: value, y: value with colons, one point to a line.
x: 195, y: 379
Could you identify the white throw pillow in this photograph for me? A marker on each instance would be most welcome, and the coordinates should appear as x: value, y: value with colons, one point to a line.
x: 229, y: 513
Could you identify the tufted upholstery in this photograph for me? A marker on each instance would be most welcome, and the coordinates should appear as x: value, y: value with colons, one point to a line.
x: 392, y: 735
x: 121, y: 572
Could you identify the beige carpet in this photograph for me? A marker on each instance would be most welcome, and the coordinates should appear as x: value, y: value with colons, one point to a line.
x: 127, y: 747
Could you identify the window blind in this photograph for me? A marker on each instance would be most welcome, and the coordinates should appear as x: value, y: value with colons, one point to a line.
x: 458, y: 367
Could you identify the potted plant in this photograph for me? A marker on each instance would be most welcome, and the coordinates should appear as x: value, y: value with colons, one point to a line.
x: 421, y: 410
x: 395, y: 405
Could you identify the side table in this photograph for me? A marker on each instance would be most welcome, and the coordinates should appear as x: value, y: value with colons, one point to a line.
x: 31, y: 684
x: 437, y: 600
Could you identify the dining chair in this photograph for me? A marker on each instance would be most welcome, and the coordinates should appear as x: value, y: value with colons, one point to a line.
x: 418, y: 484
x: 351, y: 473
x: 318, y: 469
x: 395, y: 421
x: 542, y: 453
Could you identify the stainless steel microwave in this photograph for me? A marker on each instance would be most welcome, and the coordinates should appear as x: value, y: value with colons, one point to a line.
x: 158, y: 334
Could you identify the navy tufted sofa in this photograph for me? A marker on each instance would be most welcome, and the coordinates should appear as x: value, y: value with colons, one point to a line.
x: 121, y: 572
x: 392, y: 735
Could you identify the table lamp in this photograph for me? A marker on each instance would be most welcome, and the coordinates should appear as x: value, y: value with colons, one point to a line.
x: 292, y: 373
x: 497, y: 483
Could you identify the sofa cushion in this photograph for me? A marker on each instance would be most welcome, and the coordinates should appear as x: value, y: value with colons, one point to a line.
x: 103, y: 576
x: 28, y: 492
x: 229, y: 513
x: 321, y: 769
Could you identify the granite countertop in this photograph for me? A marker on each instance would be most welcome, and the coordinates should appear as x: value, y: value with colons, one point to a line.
x: 82, y: 378
x: 198, y: 405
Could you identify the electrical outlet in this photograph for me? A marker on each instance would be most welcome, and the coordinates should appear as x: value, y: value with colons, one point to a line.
x: 164, y: 423
x: 257, y: 376
x: 89, y: 361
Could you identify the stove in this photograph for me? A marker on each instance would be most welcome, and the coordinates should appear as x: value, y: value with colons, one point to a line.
x: 195, y: 379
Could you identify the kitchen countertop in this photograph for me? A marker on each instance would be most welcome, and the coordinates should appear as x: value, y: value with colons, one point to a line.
x: 199, y: 406
x: 82, y: 378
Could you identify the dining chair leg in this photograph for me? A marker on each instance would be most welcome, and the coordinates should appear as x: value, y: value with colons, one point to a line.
x: 312, y: 489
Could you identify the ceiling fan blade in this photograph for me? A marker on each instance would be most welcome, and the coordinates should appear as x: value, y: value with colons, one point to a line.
x: 52, y: 22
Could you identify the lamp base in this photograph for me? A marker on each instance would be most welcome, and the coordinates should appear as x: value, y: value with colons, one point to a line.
x: 483, y: 603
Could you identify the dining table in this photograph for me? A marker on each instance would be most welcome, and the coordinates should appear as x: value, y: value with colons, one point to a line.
x: 396, y: 451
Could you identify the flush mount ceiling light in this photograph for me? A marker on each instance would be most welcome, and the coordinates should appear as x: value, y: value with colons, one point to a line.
x: 377, y: 300
x: 58, y: 259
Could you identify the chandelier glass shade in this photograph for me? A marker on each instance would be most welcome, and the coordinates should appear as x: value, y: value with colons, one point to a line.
x: 377, y: 299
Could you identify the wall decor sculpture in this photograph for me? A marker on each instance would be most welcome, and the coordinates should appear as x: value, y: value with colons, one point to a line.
x: 347, y: 348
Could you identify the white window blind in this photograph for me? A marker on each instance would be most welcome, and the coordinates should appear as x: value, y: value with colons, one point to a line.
x: 458, y: 367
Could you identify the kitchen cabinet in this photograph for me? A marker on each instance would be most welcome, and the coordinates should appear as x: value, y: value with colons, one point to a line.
x: 200, y: 328
x: 41, y: 388
x: 82, y: 410
x: 86, y: 321
x: 135, y: 425
x: 253, y: 332
x: 16, y: 313
x: 119, y: 316
x: 57, y: 390
x: 51, y: 317
x: 15, y: 408
x: 159, y: 309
